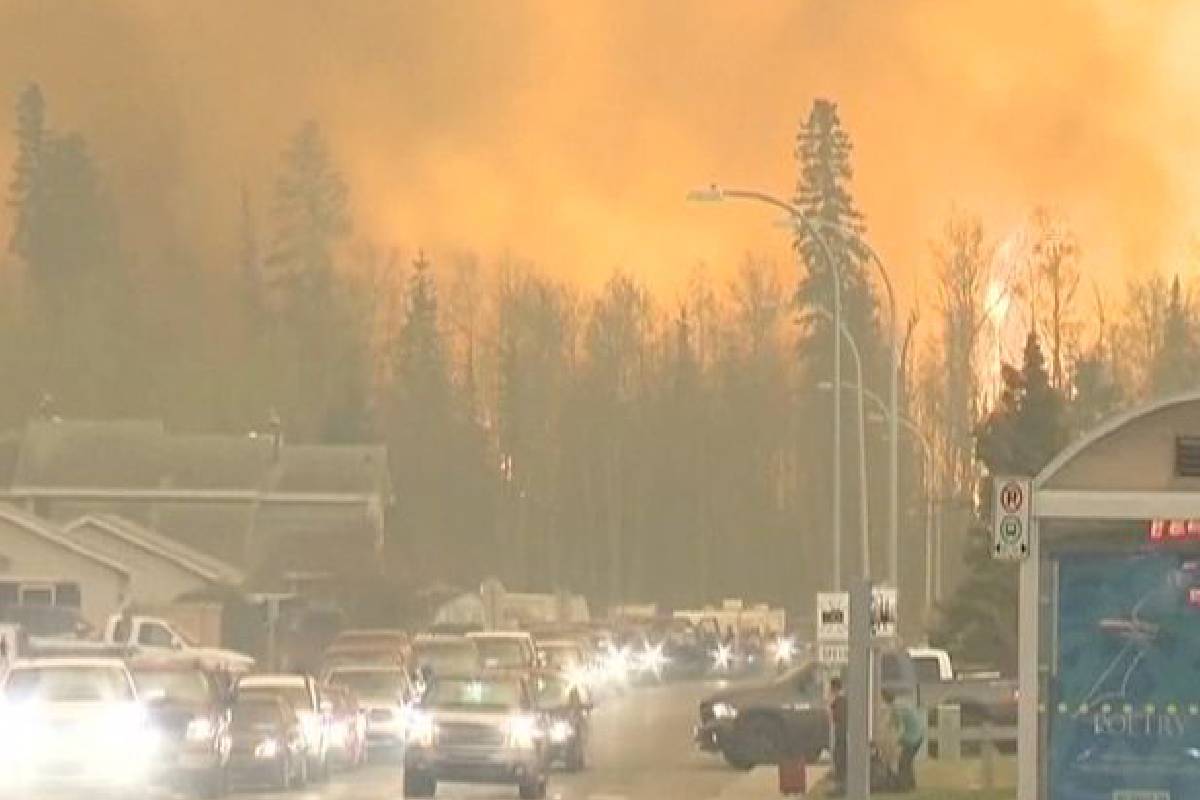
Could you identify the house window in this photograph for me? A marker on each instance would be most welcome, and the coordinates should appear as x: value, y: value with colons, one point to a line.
x: 37, y: 594
x: 68, y: 595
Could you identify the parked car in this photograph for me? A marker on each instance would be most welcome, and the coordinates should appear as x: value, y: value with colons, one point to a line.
x: 189, y: 707
x: 386, y: 693
x: 267, y: 743
x: 481, y: 728
x: 72, y: 725
x: 347, y: 728
x: 302, y: 693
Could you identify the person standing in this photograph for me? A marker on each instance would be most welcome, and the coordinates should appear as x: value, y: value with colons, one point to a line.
x: 910, y: 730
x: 837, y: 716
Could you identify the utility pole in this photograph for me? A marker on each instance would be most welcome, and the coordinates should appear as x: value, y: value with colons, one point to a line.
x: 858, y: 693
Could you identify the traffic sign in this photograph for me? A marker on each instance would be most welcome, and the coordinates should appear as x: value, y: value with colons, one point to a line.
x: 834, y: 653
x: 833, y: 615
x: 1011, y: 515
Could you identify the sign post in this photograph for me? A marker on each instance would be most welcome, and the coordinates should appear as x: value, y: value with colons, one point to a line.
x: 858, y: 694
x: 1012, y: 512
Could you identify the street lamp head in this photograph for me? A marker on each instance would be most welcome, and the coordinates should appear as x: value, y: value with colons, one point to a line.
x: 825, y: 386
x: 876, y: 417
x: 712, y: 194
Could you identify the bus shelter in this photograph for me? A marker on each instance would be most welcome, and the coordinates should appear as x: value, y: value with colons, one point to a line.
x: 1109, y: 675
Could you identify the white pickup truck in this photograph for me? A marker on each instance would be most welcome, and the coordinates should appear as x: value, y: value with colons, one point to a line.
x: 123, y: 634
x: 981, y: 695
x: 150, y: 633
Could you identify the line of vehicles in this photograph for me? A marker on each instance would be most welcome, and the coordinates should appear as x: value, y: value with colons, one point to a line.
x: 122, y: 712
x: 140, y: 705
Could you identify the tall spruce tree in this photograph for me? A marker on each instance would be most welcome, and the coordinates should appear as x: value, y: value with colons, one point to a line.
x: 1022, y: 433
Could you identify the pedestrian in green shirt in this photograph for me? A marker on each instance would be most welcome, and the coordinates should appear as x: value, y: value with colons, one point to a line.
x: 910, y: 730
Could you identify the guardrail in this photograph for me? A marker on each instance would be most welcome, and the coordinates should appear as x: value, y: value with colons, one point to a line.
x: 947, y: 736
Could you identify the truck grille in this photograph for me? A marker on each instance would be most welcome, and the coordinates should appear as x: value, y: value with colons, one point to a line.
x: 470, y: 734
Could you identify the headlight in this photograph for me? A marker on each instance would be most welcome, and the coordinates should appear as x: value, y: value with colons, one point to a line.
x: 522, y: 731
x: 561, y: 731
x: 723, y: 656
x: 785, y: 649
x: 200, y: 729
x: 653, y: 659
x: 421, y: 730
x: 724, y: 711
x: 311, y: 725
x: 267, y: 749
x: 578, y: 677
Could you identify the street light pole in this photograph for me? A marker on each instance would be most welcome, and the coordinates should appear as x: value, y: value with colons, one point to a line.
x: 716, y: 194
x: 865, y: 534
x: 930, y: 491
x: 893, y: 415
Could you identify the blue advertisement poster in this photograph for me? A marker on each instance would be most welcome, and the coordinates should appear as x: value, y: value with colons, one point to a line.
x: 1125, y: 703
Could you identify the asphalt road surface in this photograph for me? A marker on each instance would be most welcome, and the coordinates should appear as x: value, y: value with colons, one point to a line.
x: 641, y: 749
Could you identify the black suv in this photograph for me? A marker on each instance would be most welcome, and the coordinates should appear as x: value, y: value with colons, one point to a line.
x: 789, y: 716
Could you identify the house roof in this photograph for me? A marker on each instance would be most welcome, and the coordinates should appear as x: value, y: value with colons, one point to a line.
x: 358, y: 469
x: 111, y: 454
x: 142, y: 455
x: 48, y: 532
x: 205, y: 566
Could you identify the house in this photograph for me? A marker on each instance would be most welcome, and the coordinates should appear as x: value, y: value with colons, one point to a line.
x: 162, y: 569
x: 254, y: 502
x: 41, y: 564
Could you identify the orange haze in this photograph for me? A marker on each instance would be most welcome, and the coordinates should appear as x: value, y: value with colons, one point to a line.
x: 567, y: 133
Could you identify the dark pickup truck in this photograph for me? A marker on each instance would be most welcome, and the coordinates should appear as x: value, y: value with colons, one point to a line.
x: 786, y: 717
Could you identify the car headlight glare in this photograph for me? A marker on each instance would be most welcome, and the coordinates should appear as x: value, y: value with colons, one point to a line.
x: 522, y: 731
x: 311, y: 725
x: 561, y: 731
x: 267, y: 749
x: 200, y: 729
x: 724, y: 711
x: 421, y: 730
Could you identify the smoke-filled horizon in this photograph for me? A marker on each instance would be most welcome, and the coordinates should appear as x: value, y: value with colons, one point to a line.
x: 568, y: 136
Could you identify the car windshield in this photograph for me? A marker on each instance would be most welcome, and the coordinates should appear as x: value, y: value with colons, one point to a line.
x: 502, y: 653
x: 555, y: 691
x: 183, y: 686
x: 476, y: 693
x: 370, y: 683
x: 447, y: 657
x: 73, y: 684
x: 255, y: 712
x: 561, y: 656
x: 295, y: 696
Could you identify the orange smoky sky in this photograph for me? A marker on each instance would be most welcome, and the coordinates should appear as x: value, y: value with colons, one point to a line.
x: 568, y: 133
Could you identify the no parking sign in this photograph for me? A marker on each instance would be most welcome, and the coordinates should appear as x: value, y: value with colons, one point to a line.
x: 1011, y: 515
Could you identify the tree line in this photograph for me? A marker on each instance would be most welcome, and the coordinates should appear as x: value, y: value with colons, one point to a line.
x: 671, y: 448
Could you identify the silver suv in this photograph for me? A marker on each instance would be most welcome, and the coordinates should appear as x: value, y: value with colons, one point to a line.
x: 476, y: 729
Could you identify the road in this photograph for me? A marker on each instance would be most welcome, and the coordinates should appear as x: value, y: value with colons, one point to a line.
x: 641, y: 750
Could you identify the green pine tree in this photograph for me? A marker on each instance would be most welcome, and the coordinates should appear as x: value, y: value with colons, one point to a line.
x: 1023, y: 432
x: 1176, y: 364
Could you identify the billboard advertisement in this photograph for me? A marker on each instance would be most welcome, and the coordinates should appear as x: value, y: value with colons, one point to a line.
x: 1124, y: 716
